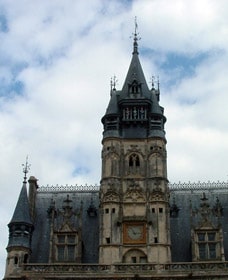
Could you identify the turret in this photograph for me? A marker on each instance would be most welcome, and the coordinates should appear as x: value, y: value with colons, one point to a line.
x: 20, y: 232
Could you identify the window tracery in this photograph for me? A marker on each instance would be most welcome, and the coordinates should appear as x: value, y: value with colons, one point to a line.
x: 207, y: 245
x: 207, y: 233
x: 66, y: 244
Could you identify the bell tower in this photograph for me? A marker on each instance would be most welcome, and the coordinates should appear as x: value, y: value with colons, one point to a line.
x: 134, y: 209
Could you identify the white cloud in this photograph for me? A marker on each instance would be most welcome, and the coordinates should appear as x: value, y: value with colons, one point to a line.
x: 64, y: 54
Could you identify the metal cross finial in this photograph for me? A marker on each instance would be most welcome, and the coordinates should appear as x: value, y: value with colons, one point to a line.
x: 26, y: 168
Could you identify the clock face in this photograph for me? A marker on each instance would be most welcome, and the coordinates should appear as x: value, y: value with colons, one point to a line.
x: 134, y: 233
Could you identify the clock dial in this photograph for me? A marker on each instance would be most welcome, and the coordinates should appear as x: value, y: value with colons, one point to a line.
x: 135, y: 232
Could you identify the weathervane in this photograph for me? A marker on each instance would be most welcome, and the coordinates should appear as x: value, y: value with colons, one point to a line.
x: 26, y: 168
x: 136, y: 38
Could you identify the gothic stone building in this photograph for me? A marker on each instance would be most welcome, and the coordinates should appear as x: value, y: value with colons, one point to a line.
x: 135, y: 225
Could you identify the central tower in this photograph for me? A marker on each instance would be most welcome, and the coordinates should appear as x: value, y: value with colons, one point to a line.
x: 134, y: 209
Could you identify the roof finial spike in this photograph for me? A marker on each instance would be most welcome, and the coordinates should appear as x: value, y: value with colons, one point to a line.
x: 114, y: 82
x: 136, y: 26
x: 136, y: 38
x: 152, y: 82
x: 26, y: 168
x: 111, y: 86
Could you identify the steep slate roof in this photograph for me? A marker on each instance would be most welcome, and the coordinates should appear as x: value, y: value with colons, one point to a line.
x: 135, y: 73
x: 180, y: 226
x: 42, y: 222
x: 134, y: 92
x: 113, y: 103
x: 22, y: 212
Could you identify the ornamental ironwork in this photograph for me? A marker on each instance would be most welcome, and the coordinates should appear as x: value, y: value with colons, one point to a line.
x: 199, y: 186
x: 69, y: 188
x: 186, y: 186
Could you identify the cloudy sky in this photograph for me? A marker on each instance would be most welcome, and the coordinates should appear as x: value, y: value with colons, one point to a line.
x: 56, y: 61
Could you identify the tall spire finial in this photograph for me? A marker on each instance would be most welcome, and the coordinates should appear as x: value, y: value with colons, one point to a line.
x: 152, y: 82
x: 26, y: 168
x: 113, y: 83
x: 136, y: 38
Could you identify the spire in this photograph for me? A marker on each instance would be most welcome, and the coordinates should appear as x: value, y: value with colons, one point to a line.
x: 21, y: 226
x: 136, y: 38
x: 22, y: 212
x: 134, y: 104
x: 135, y: 75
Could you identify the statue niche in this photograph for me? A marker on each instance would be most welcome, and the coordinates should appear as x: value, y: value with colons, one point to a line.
x: 156, y: 167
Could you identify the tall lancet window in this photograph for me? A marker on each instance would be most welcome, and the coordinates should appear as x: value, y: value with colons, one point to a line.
x: 134, y: 163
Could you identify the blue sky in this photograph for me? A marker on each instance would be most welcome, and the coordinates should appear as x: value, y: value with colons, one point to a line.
x: 56, y: 61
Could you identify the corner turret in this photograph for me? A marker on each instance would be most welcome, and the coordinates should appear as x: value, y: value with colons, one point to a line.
x: 20, y: 232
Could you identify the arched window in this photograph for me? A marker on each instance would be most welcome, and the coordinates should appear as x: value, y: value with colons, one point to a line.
x: 134, y: 161
x: 135, y: 256
x: 15, y: 260
x: 134, y: 88
x: 25, y: 258
x: 133, y: 164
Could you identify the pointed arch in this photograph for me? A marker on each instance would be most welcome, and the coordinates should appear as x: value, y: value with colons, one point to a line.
x: 134, y: 87
x: 134, y: 160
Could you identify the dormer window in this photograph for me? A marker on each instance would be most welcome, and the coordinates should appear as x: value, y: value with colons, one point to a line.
x: 207, y: 245
x: 66, y: 247
x: 135, y: 88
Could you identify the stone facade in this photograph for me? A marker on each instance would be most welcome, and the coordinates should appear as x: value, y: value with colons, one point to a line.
x: 134, y: 202
x: 135, y: 225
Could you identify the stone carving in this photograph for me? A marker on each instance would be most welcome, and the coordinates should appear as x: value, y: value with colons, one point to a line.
x: 134, y: 193
x: 111, y: 196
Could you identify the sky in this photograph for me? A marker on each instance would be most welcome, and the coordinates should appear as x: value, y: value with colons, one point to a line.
x: 56, y: 61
